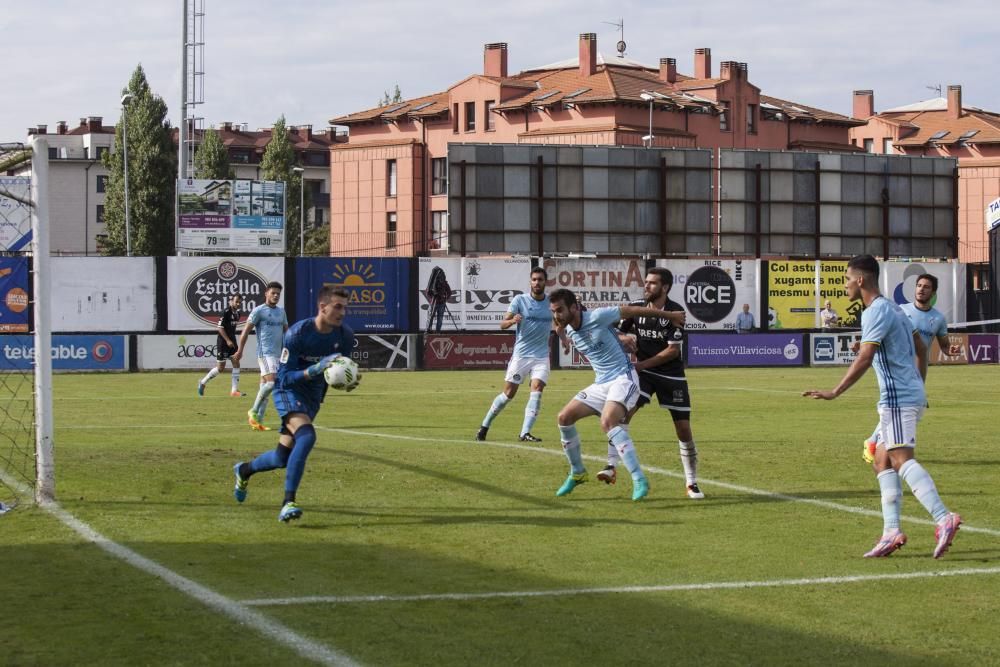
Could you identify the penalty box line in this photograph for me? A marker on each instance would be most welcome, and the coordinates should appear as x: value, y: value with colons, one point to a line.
x: 825, y: 504
x: 665, y: 588
x: 234, y: 610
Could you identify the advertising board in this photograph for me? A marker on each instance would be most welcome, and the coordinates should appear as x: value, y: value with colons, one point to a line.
x: 378, y: 288
x: 14, y: 294
x: 103, y: 294
x: 745, y: 350
x: 199, y: 288
x: 457, y: 351
x: 186, y: 352
x: 69, y: 353
x: 218, y: 215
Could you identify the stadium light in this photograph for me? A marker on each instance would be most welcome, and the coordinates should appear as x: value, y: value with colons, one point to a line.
x: 648, y: 139
x: 302, y: 212
x: 126, y: 98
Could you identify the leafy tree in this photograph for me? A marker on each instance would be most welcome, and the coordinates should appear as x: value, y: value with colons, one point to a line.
x: 276, y: 165
x: 318, y: 241
x: 211, y: 161
x: 152, y: 175
x: 397, y: 96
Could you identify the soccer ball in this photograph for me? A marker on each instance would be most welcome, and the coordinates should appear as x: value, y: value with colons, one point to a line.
x: 342, y: 373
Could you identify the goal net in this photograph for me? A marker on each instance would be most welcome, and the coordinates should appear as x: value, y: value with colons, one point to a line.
x: 26, y: 469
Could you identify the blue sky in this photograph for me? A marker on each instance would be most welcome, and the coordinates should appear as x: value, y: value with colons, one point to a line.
x: 312, y: 60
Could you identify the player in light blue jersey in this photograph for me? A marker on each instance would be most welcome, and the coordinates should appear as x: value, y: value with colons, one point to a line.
x: 615, y: 390
x: 310, y: 346
x: 530, y: 314
x: 930, y: 324
x: 270, y: 322
x: 889, y: 343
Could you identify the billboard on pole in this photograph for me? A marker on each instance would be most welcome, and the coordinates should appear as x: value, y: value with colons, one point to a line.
x: 217, y: 215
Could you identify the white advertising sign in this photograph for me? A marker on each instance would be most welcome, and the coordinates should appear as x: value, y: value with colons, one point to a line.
x: 231, y: 216
x: 713, y: 291
x: 103, y: 294
x: 899, y: 282
x: 451, y: 319
x: 833, y: 349
x: 482, y: 289
x: 199, y: 288
x: 180, y: 352
x: 993, y: 214
x: 598, y: 282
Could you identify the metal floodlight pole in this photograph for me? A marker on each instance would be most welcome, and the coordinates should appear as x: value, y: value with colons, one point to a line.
x: 649, y: 137
x: 126, y: 98
x: 302, y: 212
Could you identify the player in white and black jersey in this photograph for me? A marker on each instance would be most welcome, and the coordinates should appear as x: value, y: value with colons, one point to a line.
x: 657, y: 344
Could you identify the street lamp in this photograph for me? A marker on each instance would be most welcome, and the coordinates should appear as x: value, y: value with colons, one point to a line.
x: 648, y: 139
x: 302, y: 212
x: 126, y: 98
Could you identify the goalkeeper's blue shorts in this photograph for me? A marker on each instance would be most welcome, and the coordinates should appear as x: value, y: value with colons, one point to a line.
x: 286, y: 402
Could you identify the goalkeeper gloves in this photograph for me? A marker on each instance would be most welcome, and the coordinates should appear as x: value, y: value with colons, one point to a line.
x: 321, y: 365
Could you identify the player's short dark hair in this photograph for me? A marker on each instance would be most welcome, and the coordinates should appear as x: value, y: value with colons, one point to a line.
x: 866, y: 264
x: 540, y: 270
x: 274, y: 284
x: 666, y: 277
x: 327, y: 292
x: 929, y: 278
x: 564, y: 296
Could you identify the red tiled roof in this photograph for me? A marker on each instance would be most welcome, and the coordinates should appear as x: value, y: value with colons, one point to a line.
x: 420, y: 107
x: 797, y: 111
x: 928, y: 124
x: 606, y: 127
x: 824, y: 146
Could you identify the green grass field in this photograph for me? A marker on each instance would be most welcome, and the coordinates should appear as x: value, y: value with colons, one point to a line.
x: 419, y: 546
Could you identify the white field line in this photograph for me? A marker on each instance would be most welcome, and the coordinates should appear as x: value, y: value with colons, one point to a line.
x: 666, y: 588
x: 661, y: 471
x: 236, y: 611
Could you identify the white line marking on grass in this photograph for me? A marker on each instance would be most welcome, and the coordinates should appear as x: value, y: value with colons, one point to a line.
x: 236, y: 611
x: 665, y: 588
x: 667, y: 473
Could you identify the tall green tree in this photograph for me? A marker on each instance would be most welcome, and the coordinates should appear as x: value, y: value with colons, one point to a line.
x: 397, y: 96
x: 211, y: 161
x: 152, y: 175
x: 318, y: 241
x: 276, y: 165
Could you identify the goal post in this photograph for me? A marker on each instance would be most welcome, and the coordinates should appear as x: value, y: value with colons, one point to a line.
x: 42, y: 281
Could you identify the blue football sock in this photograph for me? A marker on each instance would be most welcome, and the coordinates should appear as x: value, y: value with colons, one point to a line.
x: 923, y: 489
x: 276, y: 458
x: 889, y: 484
x: 571, y: 447
x: 499, y: 403
x: 622, y: 441
x: 305, y: 438
x: 531, y: 411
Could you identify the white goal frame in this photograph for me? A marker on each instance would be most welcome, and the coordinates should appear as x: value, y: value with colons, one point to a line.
x: 45, y: 468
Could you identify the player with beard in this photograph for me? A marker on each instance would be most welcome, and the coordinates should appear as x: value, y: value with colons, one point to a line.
x: 657, y: 343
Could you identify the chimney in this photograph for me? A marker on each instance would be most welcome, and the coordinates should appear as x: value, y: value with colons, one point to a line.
x: 588, y: 53
x: 703, y: 63
x: 83, y: 121
x: 61, y: 127
x: 227, y: 126
x: 495, y: 60
x: 729, y: 69
x: 94, y: 123
x: 864, y: 104
x: 42, y: 129
x: 744, y: 70
x: 305, y: 132
x: 954, y: 103
x: 668, y: 70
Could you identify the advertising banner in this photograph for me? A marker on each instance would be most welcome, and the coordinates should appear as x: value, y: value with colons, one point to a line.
x: 69, y: 353
x: 384, y: 351
x: 180, y: 352
x: 797, y: 290
x: 103, y: 294
x: 573, y: 358
x: 482, y: 289
x: 745, y: 350
x: 983, y: 348
x: 598, y: 282
x: 938, y: 358
x: 451, y: 320
x: 993, y: 214
x: 713, y: 291
x: 15, y: 213
x: 479, y: 351
x: 833, y: 349
x: 198, y: 288
x: 14, y: 295
x: 899, y: 283
x: 231, y: 216
x: 379, y: 290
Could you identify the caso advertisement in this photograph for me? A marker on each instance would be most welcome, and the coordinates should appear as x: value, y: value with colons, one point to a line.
x: 69, y: 353
x: 983, y: 348
x: 797, y: 291
x: 103, y: 294
x: 378, y: 290
x: 713, y: 291
x: 482, y: 290
x: 480, y: 351
x: 833, y: 349
x: 13, y: 295
x: 199, y: 288
x: 745, y: 350
x: 597, y: 282
x: 899, y: 283
x: 197, y: 352
x: 384, y: 351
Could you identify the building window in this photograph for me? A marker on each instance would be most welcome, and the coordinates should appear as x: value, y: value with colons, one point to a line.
x: 390, y: 231
x: 317, y: 217
x: 454, y: 117
x: 101, y: 152
x: 869, y: 145
x: 887, y: 145
x: 102, y: 183
x: 53, y: 153
x: 981, y: 278
x: 752, y: 119
x: 390, y: 178
x: 470, y: 116
x: 439, y: 230
x: 240, y: 157
x: 100, y: 214
x: 724, y: 117
x: 439, y: 176
x: 490, y: 123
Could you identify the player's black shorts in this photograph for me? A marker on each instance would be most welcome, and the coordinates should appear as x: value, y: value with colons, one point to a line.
x: 671, y: 394
x: 223, y: 351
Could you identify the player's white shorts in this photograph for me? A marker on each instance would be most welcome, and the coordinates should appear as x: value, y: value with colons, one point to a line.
x: 623, y: 389
x: 520, y: 368
x: 268, y: 365
x: 898, y: 426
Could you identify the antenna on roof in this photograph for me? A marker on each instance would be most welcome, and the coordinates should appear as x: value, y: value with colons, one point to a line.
x: 938, y: 89
x: 621, y: 36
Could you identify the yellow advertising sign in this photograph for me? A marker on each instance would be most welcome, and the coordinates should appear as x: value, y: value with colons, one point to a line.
x: 793, y: 302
